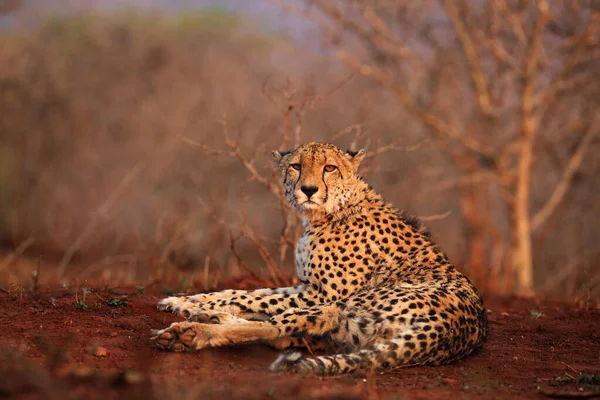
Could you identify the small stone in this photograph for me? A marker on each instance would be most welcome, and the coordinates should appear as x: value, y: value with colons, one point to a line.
x: 450, y: 381
x: 101, y: 352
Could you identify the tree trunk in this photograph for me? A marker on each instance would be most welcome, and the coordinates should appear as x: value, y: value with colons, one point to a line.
x: 521, y: 230
x: 522, y: 254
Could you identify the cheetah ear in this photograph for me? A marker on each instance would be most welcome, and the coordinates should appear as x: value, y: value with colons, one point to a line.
x: 277, y: 156
x: 355, y: 157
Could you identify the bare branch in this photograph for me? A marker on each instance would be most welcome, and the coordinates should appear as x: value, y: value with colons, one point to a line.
x: 100, y: 213
x: 263, y: 252
x: 514, y: 20
x: 395, y: 146
x: 531, y: 64
x: 493, y: 40
x: 106, y: 262
x: 237, y: 153
x: 479, y: 80
x: 9, y: 259
x: 565, y: 82
x: 203, y: 147
x: 332, y: 90
x: 436, y: 217
x: 356, y: 128
x: 266, y: 93
x: 240, y: 262
x: 562, y: 85
x: 377, y: 35
x: 473, y: 179
x: 439, y: 128
x: 565, y: 180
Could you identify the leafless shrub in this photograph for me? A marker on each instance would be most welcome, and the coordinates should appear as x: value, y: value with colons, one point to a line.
x: 133, y: 143
x: 507, y: 90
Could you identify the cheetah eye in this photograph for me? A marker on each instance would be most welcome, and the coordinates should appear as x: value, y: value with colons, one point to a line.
x: 297, y: 167
x: 330, y: 168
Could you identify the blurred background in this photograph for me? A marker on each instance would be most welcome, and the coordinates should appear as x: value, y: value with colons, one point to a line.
x: 135, y: 135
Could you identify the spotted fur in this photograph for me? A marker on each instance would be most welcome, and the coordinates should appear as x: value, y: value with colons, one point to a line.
x: 375, y: 288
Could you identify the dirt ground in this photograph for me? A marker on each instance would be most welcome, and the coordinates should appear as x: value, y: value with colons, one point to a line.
x: 62, y: 343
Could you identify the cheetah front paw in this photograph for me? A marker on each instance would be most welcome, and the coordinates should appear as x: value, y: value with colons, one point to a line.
x: 183, y: 336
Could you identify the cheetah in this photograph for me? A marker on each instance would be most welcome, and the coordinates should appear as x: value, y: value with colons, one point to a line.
x: 375, y: 289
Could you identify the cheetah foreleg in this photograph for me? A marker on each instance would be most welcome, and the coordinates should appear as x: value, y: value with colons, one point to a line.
x: 186, y: 336
x: 313, y: 344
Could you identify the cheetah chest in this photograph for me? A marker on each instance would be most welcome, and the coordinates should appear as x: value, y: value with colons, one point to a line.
x: 303, y: 257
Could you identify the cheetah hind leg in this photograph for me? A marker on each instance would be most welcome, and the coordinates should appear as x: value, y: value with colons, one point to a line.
x: 175, y: 337
x: 312, y: 344
x: 382, y: 356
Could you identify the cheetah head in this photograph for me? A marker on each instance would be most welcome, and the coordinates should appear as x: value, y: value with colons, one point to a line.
x: 318, y: 177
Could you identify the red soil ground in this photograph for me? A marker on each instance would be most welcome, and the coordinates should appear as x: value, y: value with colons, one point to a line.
x: 53, y: 347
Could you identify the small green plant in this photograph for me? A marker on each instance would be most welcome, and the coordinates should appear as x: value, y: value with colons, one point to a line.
x: 80, y: 304
x: 140, y: 289
x: 535, y: 313
x: 35, y: 275
x: 167, y: 291
x: 589, y: 379
x: 233, y: 365
x: 116, y: 301
x: 564, y: 379
x: 582, y: 379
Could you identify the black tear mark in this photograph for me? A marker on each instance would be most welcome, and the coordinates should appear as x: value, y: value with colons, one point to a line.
x: 326, y: 188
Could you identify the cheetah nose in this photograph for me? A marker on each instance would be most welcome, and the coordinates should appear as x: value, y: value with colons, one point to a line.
x: 309, y: 190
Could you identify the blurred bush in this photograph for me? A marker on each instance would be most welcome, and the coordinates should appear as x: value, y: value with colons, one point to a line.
x: 87, y: 98
x: 113, y: 151
x: 93, y: 109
